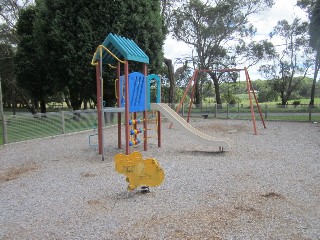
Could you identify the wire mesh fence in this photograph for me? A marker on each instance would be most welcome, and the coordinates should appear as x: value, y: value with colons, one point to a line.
x: 25, y: 126
x: 240, y: 111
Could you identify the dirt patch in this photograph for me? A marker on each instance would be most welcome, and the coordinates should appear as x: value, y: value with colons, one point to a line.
x: 17, y: 172
x: 224, y: 128
x: 272, y: 195
x: 93, y: 202
x: 87, y: 175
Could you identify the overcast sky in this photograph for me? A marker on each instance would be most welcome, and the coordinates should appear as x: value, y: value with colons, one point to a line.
x: 283, y: 9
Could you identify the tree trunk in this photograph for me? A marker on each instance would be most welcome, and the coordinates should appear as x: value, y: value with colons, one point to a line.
x: 197, y: 95
x: 315, y: 75
x: 43, y: 106
x: 66, y: 97
x: 172, y: 89
x: 215, y: 80
x: 13, y: 104
x: 85, y: 104
x: 76, y: 104
x: 29, y: 106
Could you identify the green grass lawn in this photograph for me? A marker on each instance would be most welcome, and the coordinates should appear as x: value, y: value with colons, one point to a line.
x: 245, y: 101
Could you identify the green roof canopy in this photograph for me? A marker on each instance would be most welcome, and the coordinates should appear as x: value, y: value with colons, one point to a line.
x: 122, y: 48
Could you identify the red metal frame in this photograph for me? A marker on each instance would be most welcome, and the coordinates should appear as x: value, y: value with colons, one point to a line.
x: 255, y: 97
x: 193, y: 80
x: 250, y: 100
x: 145, y: 113
x: 119, y: 104
x: 127, y: 116
x: 159, y: 129
x: 99, y: 107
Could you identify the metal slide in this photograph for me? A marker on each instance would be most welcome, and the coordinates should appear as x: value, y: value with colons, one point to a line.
x: 172, y: 116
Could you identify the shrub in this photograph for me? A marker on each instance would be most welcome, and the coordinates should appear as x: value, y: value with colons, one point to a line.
x: 296, y: 103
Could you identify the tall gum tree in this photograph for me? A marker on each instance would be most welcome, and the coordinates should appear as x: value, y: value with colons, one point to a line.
x: 314, y: 32
x: 312, y: 7
x: 213, y: 29
x: 290, y: 66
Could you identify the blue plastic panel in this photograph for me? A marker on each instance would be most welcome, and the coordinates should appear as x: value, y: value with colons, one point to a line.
x: 137, y: 92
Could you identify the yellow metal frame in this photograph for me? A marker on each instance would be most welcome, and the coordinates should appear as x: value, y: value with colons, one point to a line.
x: 99, y: 48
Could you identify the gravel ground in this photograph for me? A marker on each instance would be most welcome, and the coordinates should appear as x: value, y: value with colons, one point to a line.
x: 267, y: 187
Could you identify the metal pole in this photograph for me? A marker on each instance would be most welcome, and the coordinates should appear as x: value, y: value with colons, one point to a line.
x: 310, y: 113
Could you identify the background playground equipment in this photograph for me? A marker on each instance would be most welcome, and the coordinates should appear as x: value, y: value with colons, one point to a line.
x: 250, y: 90
x: 219, y: 143
x: 139, y: 172
x: 131, y: 89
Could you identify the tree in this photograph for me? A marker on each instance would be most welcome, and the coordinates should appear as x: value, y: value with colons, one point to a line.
x: 30, y: 72
x: 312, y: 9
x: 213, y: 29
x: 290, y: 67
x: 69, y: 31
x: 168, y: 63
x: 7, y: 74
x: 9, y: 14
x: 314, y: 32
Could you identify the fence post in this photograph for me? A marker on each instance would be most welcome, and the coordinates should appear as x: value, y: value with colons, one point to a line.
x: 63, y: 126
x: 216, y: 110
x: 266, y: 113
x: 310, y: 113
x: 4, y: 130
x: 4, y: 124
x: 228, y: 110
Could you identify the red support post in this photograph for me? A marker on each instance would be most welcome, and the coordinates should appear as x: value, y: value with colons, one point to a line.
x: 194, y: 76
x: 99, y: 108
x: 119, y: 105
x: 250, y: 100
x: 135, y: 125
x: 159, y: 128
x: 145, y: 113
x: 257, y: 103
x: 127, y: 116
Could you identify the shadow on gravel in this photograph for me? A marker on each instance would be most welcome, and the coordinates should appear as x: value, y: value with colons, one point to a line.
x: 202, y: 153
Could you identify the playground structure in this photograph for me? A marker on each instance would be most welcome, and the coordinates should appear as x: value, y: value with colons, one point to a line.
x: 136, y: 97
x: 133, y: 96
x: 250, y: 90
x: 131, y: 90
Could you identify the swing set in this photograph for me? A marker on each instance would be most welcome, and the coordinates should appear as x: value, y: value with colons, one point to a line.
x: 251, y: 93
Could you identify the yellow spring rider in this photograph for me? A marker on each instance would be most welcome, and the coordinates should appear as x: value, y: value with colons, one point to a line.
x: 139, y: 172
